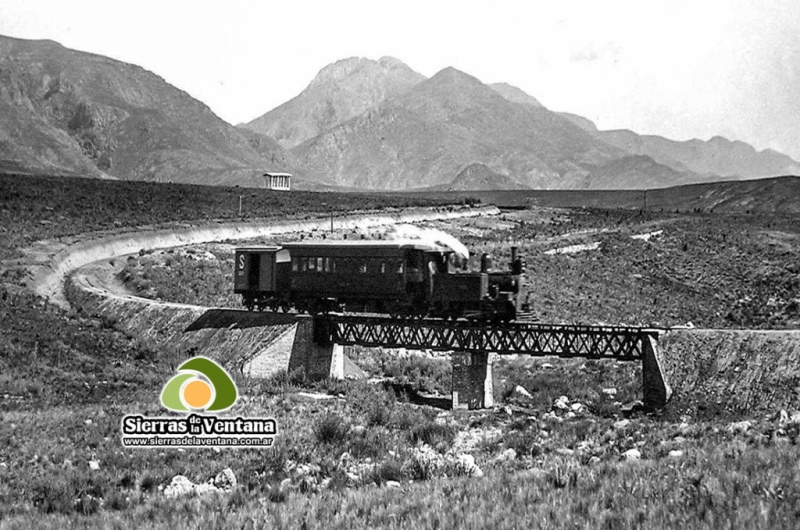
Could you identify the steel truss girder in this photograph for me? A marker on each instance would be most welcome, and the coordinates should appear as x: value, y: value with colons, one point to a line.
x: 593, y: 342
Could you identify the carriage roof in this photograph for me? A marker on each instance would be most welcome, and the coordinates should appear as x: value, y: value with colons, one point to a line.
x: 306, y: 247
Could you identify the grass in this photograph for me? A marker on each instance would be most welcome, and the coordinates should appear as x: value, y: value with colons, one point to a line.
x: 714, y: 270
x: 40, y: 207
x: 67, y: 380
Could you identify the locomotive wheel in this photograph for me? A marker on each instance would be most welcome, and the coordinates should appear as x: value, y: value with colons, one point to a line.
x: 419, y: 312
x: 248, y: 303
x: 394, y: 310
x: 455, y: 312
x: 314, y: 307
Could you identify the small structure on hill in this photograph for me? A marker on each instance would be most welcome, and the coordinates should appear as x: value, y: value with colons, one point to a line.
x: 278, y: 181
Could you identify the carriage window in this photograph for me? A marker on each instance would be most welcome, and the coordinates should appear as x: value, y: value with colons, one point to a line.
x: 295, y: 264
x: 319, y: 264
x: 312, y: 264
x: 362, y: 267
x: 400, y: 268
x: 383, y: 267
x: 326, y: 264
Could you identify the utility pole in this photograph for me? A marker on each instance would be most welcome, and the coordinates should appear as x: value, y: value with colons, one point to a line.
x: 331, y: 220
x: 645, y: 201
x: 240, y: 205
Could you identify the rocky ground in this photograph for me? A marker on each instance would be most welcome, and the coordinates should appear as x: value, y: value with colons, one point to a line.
x: 565, y: 446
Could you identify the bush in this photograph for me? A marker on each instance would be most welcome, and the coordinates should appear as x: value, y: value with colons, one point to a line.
x: 53, y: 495
x: 434, y: 434
x: 525, y: 443
x: 331, y: 429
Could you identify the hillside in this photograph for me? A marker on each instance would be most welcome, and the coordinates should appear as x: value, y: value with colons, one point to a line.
x: 779, y: 195
x: 425, y: 136
x: 715, y: 159
x: 69, y: 112
x: 339, y: 92
x: 772, y: 196
x: 479, y: 177
x: 515, y: 94
x: 635, y: 171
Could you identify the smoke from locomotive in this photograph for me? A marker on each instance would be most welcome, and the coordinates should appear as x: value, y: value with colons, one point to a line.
x: 428, y: 235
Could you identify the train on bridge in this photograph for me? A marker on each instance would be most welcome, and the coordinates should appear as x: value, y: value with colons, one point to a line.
x: 402, y: 278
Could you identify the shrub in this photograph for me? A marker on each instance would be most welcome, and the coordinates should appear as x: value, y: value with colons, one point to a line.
x: 391, y: 469
x: 53, y: 495
x: 332, y: 428
x: 525, y: 443
x: 434, y: 434
x: 372, y: 445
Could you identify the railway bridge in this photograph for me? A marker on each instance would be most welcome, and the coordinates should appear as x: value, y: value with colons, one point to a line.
x: 476, y: 345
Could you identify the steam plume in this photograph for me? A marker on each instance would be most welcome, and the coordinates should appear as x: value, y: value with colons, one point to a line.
x: 428, y: 235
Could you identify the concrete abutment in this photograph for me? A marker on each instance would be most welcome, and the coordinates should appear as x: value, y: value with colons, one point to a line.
x: 472, y: 380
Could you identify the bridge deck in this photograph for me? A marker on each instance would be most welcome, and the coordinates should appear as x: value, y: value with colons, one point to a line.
x: 594, y: 342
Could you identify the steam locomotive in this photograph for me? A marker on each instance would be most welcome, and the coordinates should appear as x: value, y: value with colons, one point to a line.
x: 405, y: 278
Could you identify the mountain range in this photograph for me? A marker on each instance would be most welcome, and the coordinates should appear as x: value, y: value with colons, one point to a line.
x: 360, y: 124
x: 433, y: 134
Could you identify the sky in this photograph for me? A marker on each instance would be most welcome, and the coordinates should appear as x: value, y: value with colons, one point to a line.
x: 680, y: 69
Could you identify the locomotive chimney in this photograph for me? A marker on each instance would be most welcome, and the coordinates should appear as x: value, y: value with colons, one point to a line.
x: 513, y: 255
x: 486, y: 262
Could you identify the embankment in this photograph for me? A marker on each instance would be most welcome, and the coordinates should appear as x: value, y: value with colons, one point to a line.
x: 50, y: 262
x: 257, y: 344
x: 247, y: 343
x: 752, y: 371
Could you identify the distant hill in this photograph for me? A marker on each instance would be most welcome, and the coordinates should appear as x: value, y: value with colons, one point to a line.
x: 425, y: 136
x: 717, y: 156
x: 584, y: 123
x: 69, y: 112
x: 773, y: 195
x: 635, y: 171
x: 479, y: 177
x: 776, y: 195
x: 339, y: 92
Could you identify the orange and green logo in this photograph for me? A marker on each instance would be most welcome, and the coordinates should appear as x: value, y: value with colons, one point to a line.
x: 200, y: 385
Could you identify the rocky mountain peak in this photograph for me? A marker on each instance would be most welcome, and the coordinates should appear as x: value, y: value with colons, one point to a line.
x: 339, y: 92
x: 453, y: 76
x: 517, y: 95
